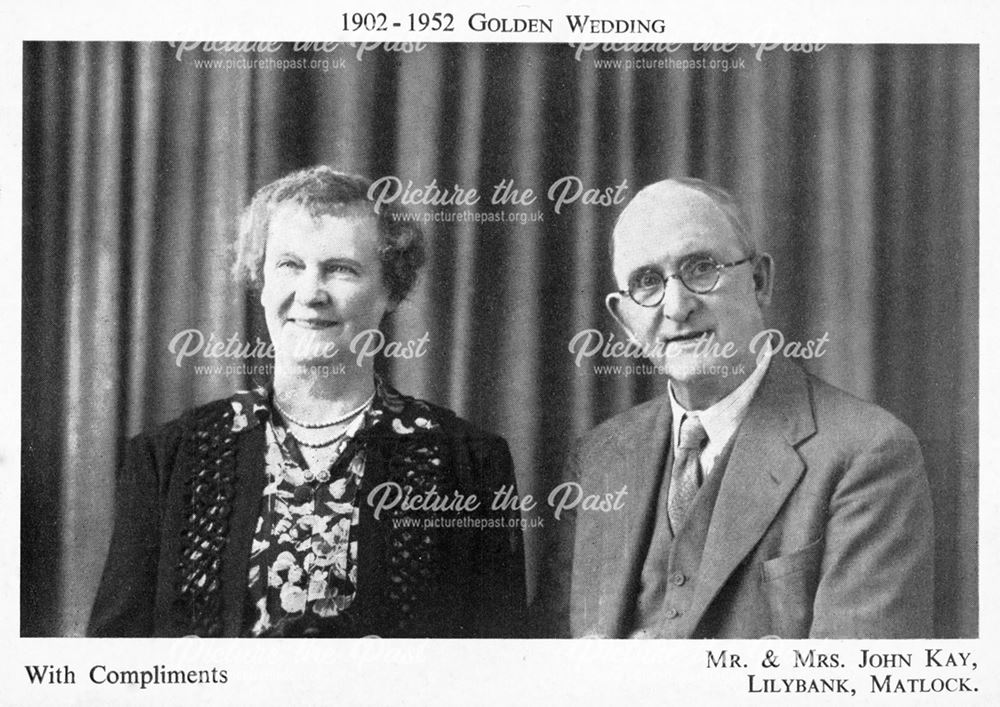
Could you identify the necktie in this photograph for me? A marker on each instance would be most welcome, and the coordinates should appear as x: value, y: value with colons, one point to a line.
x: 685, y: 476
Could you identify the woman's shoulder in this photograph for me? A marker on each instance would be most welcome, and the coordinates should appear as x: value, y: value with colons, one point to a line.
x: 246, y: 410
x: 409, y: 414
x: 412, y: 427
x: 239, y: 412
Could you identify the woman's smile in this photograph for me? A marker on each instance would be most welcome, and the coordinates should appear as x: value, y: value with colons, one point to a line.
x: 311, y: 322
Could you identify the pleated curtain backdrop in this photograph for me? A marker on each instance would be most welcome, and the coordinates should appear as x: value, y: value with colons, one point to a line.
x: 858, y: 165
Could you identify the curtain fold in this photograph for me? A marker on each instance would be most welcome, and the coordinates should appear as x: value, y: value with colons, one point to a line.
x: 858, y: 166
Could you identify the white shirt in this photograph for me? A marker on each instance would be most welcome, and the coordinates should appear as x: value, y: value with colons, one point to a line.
x: 722, y: 419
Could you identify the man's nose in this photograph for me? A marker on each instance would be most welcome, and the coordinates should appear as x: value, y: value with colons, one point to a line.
x: 678, y: 301
x: 309, y: 288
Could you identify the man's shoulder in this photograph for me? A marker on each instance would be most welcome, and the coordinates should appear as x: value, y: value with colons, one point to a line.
x: 850, y: 420
x: 840, y: 417
x: 622, y: 428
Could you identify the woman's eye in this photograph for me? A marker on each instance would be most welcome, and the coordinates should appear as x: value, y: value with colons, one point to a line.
x: 340, y: 268
x: 285, y: 263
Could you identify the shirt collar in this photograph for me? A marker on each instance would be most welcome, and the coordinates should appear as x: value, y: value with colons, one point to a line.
x: 721, y: 419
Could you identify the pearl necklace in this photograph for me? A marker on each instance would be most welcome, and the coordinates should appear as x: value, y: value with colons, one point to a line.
x: 318, y: 426
x: 318, y: 445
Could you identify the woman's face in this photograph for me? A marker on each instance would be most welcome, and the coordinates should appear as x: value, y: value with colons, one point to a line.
x: 322, y: 284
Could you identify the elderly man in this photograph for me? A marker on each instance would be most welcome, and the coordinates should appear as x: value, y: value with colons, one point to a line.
x: 761, y: 501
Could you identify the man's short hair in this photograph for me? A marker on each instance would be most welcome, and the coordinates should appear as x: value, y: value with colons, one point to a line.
x: 323, y: 191
x: 726, y: 203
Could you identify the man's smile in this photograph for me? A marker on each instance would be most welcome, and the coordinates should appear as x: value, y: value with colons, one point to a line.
x: 687, y: 338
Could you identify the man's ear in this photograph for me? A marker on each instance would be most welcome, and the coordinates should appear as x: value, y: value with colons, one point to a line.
x: 611, y: 303
x: 763, y: 278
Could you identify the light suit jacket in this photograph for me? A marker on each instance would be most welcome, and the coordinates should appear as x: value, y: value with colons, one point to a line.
x: 822, y: 526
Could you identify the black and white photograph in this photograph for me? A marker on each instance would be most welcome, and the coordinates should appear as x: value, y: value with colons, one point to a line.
x: 540, y: 328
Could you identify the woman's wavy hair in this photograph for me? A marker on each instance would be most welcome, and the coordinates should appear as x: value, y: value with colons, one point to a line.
x: 326, y: 192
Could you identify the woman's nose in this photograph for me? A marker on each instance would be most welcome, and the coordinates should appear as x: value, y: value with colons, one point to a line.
x: 309, y: 288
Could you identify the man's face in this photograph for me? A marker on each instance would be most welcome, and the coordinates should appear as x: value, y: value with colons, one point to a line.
x: 663, y: 226
x: 322, y: 283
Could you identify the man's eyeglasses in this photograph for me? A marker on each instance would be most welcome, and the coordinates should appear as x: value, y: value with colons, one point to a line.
x: 699, y: 274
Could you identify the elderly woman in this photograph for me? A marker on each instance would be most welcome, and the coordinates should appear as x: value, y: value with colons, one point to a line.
x: 322, y: 504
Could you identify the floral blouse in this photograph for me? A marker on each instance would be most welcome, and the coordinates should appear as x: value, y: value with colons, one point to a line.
x: 303, y: 561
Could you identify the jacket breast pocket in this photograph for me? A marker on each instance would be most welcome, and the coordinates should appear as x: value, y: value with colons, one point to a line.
x: 788, y: 584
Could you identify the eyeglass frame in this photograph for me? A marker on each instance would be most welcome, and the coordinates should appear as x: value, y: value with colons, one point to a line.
x: 719, y: 267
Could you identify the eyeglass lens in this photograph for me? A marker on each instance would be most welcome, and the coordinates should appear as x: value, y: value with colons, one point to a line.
x: 699, y: 275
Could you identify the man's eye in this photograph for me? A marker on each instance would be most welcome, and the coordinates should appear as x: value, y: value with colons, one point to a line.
x: 702, y: 266
x: 647, y: 279
x: 286, y: 263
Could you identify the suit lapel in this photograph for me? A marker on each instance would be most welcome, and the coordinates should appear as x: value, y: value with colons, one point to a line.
x: 763, y: 469
x: 643, y: 449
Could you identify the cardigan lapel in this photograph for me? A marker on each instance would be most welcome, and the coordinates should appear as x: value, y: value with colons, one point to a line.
x: 763, y: 469
x: 371, y: 532
x: 249, y: 490
x: 643, y: 449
